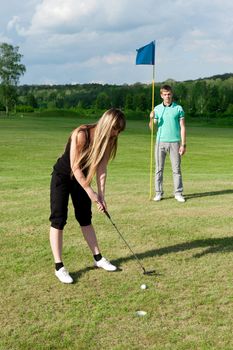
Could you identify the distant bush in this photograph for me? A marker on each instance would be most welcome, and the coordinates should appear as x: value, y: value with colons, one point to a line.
x: 56, y: 113
x: 24, y: 109
x: 92, y: 113
x: 136, y: 115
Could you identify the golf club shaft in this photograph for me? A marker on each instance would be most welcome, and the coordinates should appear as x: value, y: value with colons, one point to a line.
x: 107, y: 214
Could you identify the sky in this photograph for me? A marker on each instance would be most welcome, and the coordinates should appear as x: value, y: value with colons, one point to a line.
x: 95, y: 41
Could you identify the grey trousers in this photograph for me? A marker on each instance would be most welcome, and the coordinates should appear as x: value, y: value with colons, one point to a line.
x: 161, y: 150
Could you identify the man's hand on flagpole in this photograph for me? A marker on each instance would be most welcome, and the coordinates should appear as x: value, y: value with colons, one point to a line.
x: 152, y: 114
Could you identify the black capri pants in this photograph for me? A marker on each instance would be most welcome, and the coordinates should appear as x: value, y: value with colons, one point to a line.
x: 61, y: 187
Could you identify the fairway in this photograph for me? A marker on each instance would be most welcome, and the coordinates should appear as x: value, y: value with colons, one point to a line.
x: 189, y: 303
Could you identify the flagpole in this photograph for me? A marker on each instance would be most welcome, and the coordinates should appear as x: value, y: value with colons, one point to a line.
x: 152, y: 133
x: 146, y: 55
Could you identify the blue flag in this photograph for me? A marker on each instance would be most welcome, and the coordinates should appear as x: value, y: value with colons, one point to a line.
x: 146, y: 54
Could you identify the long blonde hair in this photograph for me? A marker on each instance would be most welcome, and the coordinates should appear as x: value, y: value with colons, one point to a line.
x: 91, y: 155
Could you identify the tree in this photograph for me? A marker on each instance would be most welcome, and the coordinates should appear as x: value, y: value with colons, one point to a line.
x: 31, y: 101
x: 102, y: 101
x: 199, y: 93
x: 10, y: 71
x: 212, y: 97
x: 140, y: 101
x: 129, y: 101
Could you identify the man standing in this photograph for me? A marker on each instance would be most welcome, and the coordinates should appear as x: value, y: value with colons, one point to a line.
x: 171, y: 136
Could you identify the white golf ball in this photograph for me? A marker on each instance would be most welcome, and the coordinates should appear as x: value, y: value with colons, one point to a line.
x: 143, y: 286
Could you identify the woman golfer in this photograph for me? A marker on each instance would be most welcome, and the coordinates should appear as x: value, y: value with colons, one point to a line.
x: 87, y: 153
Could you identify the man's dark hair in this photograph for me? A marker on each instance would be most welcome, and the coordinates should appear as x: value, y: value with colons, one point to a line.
x: 166, y: 87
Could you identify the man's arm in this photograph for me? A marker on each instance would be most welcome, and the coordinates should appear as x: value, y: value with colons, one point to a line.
x: 182, y: 149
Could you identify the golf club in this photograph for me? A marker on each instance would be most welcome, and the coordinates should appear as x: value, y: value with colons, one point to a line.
x: 152, y: 272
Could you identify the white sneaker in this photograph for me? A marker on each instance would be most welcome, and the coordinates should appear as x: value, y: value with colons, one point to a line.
x: 63, y: 275
x: 158, y: 197
x: 105, y: 264
x: 180, y: 198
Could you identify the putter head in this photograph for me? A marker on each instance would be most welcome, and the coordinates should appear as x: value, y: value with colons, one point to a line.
x: 150, y: 273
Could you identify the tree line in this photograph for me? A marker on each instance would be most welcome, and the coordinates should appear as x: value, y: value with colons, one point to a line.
x: 210, y: 97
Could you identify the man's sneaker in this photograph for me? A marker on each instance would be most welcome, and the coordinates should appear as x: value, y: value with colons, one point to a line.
x: 158, y: 197
x: 63, y: 275
x: 105, y: 264
x: 179, y: 198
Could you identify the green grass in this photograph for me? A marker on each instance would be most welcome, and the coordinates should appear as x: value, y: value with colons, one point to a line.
x: 189, y: 302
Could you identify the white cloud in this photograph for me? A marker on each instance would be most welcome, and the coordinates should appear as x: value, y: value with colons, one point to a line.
x: 71, y: 16
x: 51, y: 15
x: 110, y: 59
x: 116, y: 58
x: 13, y: 22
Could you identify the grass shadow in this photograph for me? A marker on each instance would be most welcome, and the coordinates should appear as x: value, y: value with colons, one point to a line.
x: 203, y: 194
x: 207, y: 194
x: 210, y: 245
x: 77, y: 274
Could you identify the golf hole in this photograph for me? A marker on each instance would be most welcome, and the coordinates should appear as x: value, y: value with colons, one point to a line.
x: 141, y: 313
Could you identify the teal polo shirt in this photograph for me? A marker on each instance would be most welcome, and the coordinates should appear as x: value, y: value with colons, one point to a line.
x: 168, y: 121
